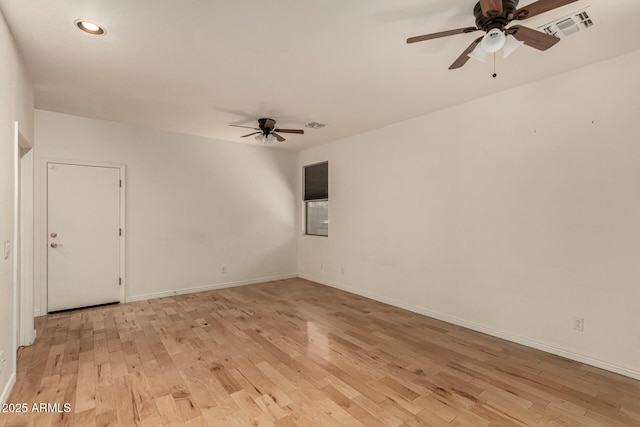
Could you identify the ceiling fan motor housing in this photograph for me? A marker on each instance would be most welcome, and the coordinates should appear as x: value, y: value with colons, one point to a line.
x: 487, y: 23
x: 266, y: 125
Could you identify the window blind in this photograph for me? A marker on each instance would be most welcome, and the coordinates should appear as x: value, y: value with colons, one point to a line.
x: 316, y: 182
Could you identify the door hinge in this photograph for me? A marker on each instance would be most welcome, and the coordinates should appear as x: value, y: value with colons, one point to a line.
x: 120, y: 183
x: 120, y: 281
x: 119, y: 231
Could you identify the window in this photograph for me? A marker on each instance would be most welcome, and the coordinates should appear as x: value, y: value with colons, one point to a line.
x: 318, y: 218
x: 316, y: 199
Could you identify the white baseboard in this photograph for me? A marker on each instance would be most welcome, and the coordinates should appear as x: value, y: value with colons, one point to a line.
x: 7, y: 389
x: 632, y: 373
x: 174, y: 292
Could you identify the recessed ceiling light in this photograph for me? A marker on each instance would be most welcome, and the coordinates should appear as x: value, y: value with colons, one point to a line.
x: 90, y: 27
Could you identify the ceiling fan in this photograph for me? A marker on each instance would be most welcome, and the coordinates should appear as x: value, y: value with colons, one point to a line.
x: 266, y: 131
x: 492, y: 17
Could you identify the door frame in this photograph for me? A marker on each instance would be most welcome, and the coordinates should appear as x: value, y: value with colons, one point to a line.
x: 23, y: 332
x: 44, y: 254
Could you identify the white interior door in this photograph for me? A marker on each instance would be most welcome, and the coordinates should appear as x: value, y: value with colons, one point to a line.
x: 83, y: 235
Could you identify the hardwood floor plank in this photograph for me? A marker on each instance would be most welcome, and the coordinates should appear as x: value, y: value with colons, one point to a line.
x: 105, y: 399
x: 107, y: 419
x: 85, y: 418
x: 376, y: 411
x: 86, y: 390
x: 168, y: 410
x: 195, y: 422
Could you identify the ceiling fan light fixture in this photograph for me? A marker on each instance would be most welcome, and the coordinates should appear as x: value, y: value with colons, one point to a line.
x: 493, y: 41
x: 478, y: 53
x: 510, y: 45
x: 266, y: 139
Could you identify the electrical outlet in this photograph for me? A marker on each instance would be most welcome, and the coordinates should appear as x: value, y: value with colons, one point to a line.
x: 223, y: 269
x: 578, y: 324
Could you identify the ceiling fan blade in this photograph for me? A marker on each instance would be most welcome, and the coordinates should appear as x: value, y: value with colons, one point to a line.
x: 249, y: 134
x: 541, y: 6
x: 441, y: 34
x: 278, y: 137
x: 299, y: 131
x: 248, y: 127
x: 462, y: 59
x: 491, y: 8
x: 533, y: 38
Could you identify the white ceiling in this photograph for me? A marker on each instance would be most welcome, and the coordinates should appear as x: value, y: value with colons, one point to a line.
x: 195, y: 66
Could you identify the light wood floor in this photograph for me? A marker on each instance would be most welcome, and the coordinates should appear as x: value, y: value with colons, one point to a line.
x: 292, y: 353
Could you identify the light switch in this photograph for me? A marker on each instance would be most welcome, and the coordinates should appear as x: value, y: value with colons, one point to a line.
x: 7, y: 249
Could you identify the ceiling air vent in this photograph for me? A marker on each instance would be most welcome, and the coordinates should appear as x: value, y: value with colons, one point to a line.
x: 569, y: 25
x: 315, y: 125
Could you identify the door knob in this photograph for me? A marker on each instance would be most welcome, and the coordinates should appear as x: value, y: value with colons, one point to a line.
x: 55, y: 245
x: 54, y: 235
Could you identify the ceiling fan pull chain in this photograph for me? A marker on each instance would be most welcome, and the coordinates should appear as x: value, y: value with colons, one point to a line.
x: 494, y: 75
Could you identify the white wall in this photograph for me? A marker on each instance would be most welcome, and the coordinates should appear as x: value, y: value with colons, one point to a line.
x: 511, y: 214
x: 193, y: 204
x: 16, y: 104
